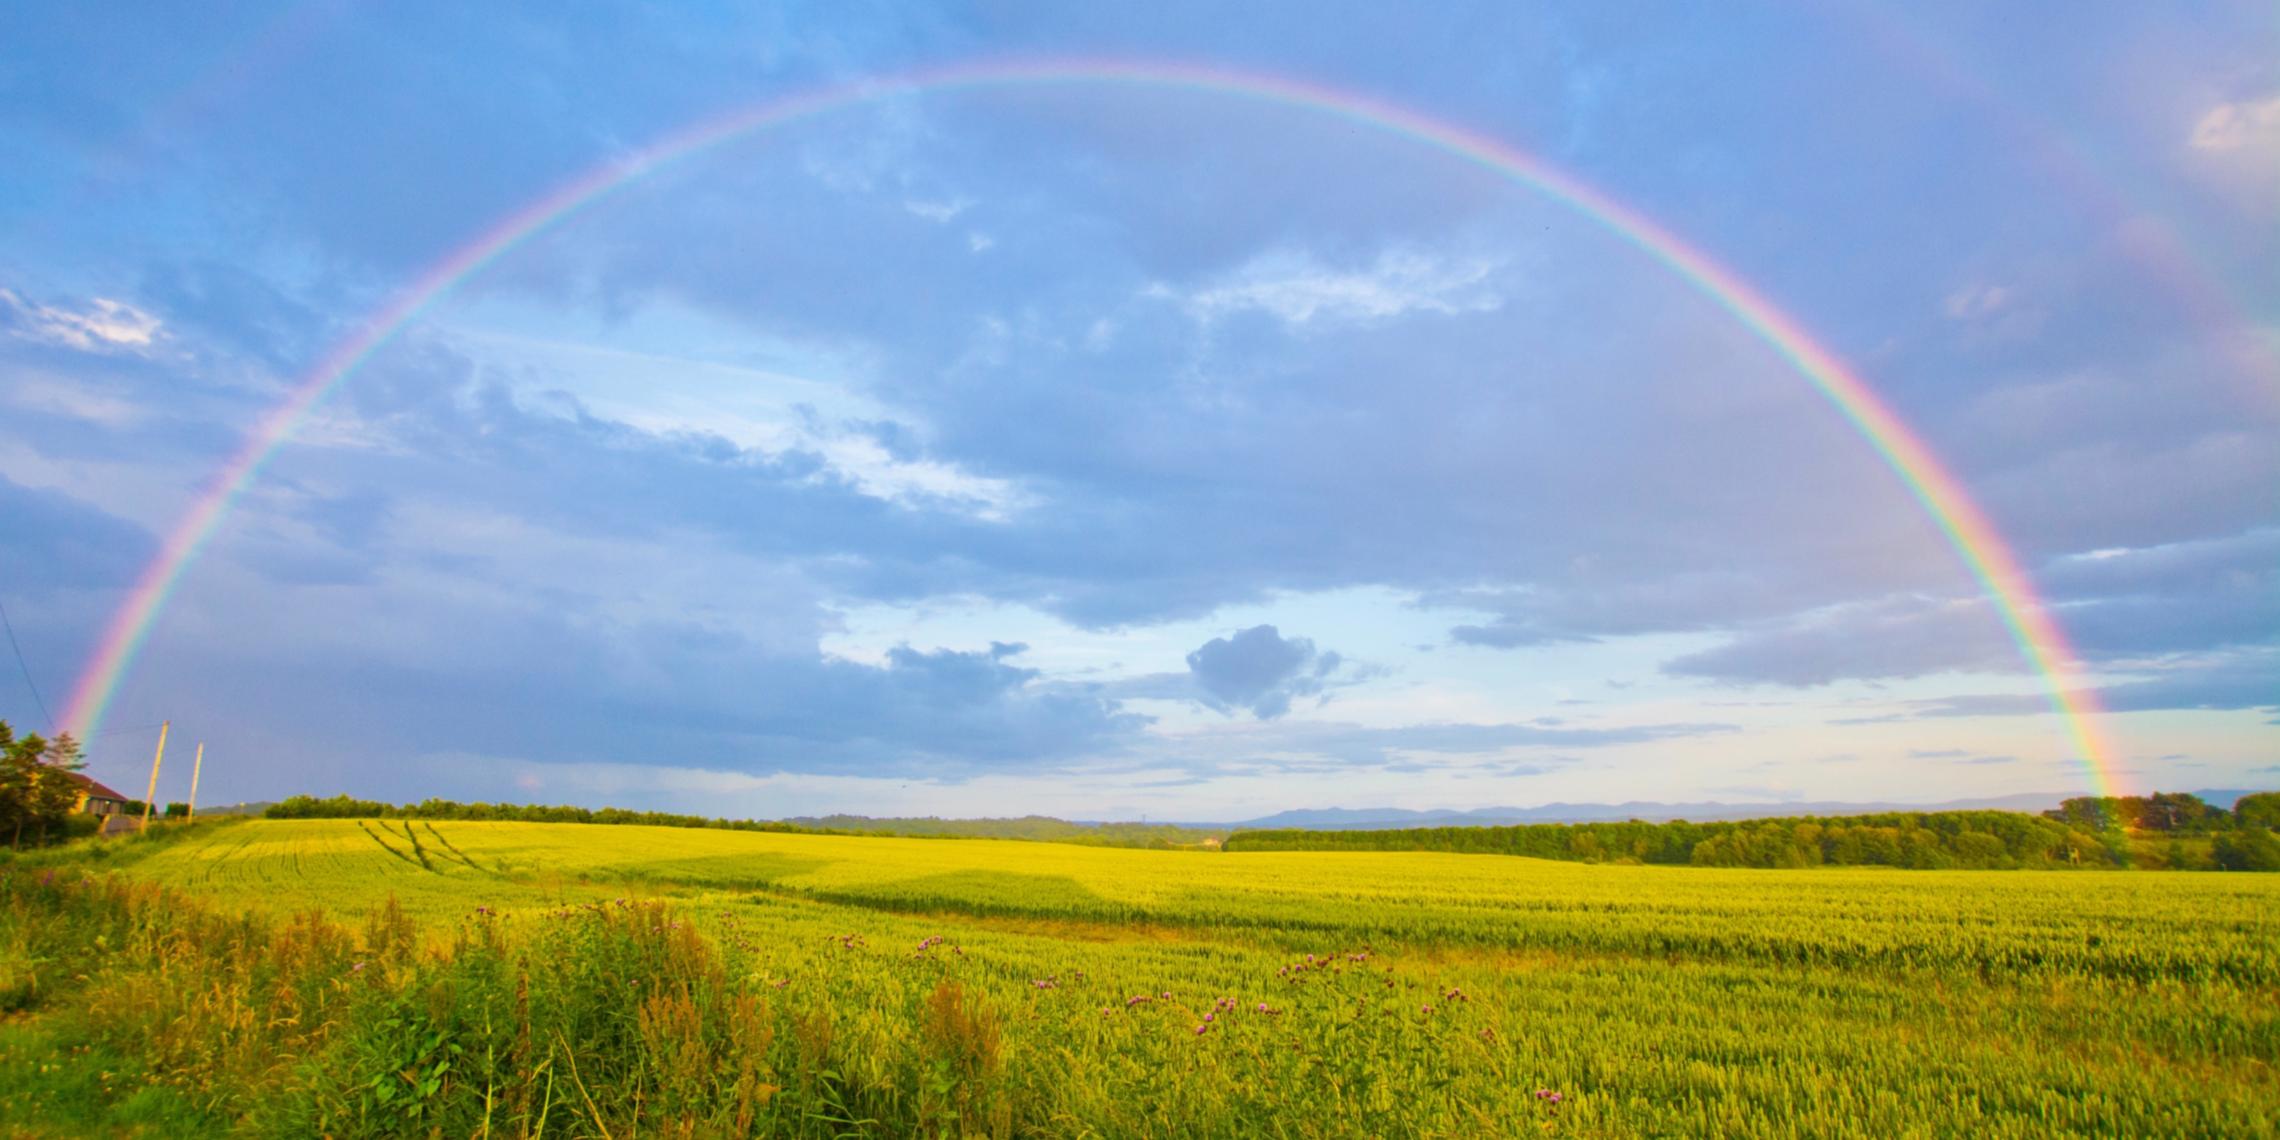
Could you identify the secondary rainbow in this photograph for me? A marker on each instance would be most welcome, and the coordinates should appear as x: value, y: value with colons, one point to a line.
x: 1967, y: 529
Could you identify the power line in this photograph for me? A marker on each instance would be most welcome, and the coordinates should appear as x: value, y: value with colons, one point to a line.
x: 27, y: 670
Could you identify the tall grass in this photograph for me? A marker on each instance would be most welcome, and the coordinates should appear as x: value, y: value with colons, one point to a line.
x: 1406, y: 995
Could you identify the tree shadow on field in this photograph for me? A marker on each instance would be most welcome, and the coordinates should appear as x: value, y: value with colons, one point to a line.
x: 982, y: 893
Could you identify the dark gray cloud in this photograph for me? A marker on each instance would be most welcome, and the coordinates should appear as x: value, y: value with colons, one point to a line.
x: 1260, y: 670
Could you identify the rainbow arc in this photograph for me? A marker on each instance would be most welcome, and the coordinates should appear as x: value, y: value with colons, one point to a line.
x: 1966, y: 528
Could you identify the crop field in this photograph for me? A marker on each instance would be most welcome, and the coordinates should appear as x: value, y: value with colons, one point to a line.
x: 727, y: 983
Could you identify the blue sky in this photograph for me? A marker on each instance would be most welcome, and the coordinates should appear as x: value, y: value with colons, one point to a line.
x: 1110, y: 450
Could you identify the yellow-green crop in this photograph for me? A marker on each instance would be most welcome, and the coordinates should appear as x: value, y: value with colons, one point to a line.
x: 816, y: 985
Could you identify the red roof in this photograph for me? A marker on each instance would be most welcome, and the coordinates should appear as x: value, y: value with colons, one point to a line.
x: 96, y: 789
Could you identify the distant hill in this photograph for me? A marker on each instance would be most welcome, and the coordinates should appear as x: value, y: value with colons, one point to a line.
x: 1032, y: 827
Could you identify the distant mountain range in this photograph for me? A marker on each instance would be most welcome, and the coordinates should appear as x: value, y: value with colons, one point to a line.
x: 1335, y: 819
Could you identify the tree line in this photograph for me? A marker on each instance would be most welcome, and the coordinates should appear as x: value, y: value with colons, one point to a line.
x: 37, y: 793
x: 2091, y: 832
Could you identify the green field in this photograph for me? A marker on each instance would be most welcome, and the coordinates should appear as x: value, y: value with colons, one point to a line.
x: 630, y: 980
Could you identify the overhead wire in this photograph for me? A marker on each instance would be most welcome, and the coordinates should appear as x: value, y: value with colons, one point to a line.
x: 18, y: 650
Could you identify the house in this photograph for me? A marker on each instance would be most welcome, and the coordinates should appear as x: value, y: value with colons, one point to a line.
x: 96, y: 797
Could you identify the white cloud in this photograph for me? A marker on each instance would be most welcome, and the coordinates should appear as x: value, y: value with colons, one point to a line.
x: 938, y: 211
x: 102, y: 324
x: 59, y: 397
x: 2239, y: 125
x: 1299, y: 290
x: 1974, y: 301
x: 762, y: 411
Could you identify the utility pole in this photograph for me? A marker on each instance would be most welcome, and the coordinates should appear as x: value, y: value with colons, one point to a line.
x: 152, y: 794
x: 196, y: 762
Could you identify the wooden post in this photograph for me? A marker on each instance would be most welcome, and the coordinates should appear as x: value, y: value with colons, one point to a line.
x: 197, y: 762
x: 152, y: 794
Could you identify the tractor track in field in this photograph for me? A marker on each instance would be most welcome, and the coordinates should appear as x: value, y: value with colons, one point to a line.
x: 462, y: 856
x: 390, y: 848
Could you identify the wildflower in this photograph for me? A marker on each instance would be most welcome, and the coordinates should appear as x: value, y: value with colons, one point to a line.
x: 1424, y: 1009
x: 1262, y: 1007
x: 1201, y: 1029
x: 357, y: 968
x: 1207, y: 1017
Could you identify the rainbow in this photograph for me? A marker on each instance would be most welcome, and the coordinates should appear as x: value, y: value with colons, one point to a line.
x: 1966, y: 528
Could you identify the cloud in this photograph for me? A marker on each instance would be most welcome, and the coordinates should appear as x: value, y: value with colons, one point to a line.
x: 1936, y: 753
x: 1221, y: 352
x: 1889, y: 638
x: 1973, y: 302
x: 1259, y: 670
x: 98, y: 325
x: 2244, y: 678
x: 2120, y: 605
x: 938, y: 211
x: 1330, y: 746
x: 1293, y: 287
x: 2238, y: 125
x: 55, y: 541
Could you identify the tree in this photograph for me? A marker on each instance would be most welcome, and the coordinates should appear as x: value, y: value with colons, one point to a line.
x: 35, y: 781
x: 54, y: 792
x: 2249, y: 849
x: 2260, y: 810
x: 2178, y: 812
x: 16, y: 759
